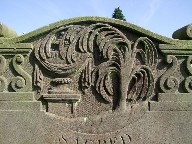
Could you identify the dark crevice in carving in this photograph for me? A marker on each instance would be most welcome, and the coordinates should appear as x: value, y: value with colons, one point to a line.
x: 115, y: 89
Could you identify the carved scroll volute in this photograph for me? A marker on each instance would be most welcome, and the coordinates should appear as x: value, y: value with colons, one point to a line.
x: 168, y: 83
x: 23, y: 82
x: 3, y: 81
x: 188, y: 80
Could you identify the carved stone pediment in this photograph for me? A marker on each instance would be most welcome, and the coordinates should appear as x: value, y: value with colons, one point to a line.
x: 95, y: 80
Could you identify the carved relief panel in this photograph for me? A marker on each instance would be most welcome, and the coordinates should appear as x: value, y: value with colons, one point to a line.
x: 95, y: 68
x: 15, y: 70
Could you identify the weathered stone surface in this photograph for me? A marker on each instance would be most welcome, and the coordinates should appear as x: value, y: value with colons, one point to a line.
x: 95, y: 80
x: 184, y: 33
x: 6, y: 31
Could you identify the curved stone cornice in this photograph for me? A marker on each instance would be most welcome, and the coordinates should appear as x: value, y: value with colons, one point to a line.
x: 29, y: 37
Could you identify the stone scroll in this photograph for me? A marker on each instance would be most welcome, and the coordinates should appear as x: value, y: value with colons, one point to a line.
x: 95, y: 80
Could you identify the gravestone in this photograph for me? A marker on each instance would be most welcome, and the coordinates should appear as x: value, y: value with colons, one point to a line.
x: 94, y: 80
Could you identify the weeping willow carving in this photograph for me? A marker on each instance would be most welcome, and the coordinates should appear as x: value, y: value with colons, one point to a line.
x: 120, y: 71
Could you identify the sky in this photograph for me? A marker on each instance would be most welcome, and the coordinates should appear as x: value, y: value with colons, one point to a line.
x: 159, y: 16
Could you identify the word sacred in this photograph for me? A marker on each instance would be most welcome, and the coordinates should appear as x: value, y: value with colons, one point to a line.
x: 121, y: 139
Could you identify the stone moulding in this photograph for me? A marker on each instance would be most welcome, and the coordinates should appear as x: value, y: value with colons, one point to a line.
x: 95, y: 80
x: 6, y: 31
x: 126, y: 25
